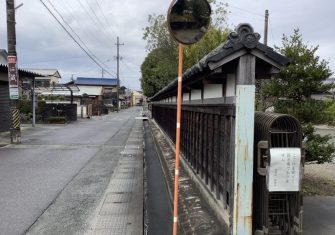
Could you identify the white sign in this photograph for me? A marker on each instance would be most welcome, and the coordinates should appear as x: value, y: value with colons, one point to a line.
x: 284, y: 170
x: 13, y: 78
x: 14, y: 93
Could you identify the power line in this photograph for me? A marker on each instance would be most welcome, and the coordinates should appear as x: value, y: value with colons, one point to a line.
x: 247, y: 11
x: 90, y: 33
x: 247, y: 17
x: 68, y: 25
x: 103, y: 14
x: 73, y: 38
x: 273, y: 37
x: 97, y: 21
x: 77, y: 35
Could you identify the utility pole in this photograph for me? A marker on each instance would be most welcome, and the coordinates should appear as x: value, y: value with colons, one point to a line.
x: 13, y: 78
x: 118, y: 72
x: 266, y: 25
x: 102, y: 72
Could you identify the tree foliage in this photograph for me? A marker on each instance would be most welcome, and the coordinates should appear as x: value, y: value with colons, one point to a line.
x: 157, y: 70
x: 317, y: 147
x: 291, y: 89
x: 305, y: 74
x: 160, y: 65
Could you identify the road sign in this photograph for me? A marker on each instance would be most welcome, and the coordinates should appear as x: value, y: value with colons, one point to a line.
x: 13, y: 78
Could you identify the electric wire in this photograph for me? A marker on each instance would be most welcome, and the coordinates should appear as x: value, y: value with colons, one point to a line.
x: 247, y: 11
x: 104, y: 16
x: 97, y: 22
x: 73, y: 31
x: 80, y: 37
x: 60, y: 15
x: 89, y: 31
x: 74, y: 39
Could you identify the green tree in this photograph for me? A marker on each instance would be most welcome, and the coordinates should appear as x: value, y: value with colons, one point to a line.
x: 160, y: 66
x: 157, y: 71
x: 303, y: 77
x: 291, y: 89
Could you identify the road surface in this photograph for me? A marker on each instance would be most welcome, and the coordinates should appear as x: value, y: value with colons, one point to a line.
x: 68, y: 165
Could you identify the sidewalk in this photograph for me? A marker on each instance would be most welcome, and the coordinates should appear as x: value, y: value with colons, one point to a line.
x: 121, y: 209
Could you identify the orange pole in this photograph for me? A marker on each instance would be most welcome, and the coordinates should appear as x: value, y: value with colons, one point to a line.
x: 176, y: 175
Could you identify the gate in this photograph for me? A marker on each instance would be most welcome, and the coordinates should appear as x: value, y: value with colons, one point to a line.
x: 275, y: 212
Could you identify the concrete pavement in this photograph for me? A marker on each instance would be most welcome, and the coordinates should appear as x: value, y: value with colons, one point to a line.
x: 58, y: 179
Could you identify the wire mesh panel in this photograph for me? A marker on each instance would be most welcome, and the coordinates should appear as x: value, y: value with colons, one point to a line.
x: 275, y: 213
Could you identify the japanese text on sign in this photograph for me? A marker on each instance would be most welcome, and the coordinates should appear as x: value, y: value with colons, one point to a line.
x: 284, y: 169
x: 13, y: 78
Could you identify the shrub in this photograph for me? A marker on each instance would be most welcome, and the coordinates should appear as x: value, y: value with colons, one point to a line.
x: 25, y: 106
x: 317, y: 147
x: 313, y: 111
x: 56, y: 120
x: 330, y: 112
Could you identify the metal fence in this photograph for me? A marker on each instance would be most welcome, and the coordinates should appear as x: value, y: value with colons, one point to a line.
x: 206, y: 142
x: 275, y: 213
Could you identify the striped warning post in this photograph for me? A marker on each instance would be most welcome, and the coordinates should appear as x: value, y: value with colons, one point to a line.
x: 15, y: 118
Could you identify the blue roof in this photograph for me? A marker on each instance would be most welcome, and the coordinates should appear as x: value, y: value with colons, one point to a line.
x: 96, y: 81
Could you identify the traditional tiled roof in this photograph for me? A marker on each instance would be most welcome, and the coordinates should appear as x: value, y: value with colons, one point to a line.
x: 243, y: 38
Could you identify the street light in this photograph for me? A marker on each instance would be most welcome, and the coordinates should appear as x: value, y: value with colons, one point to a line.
x: 188, y: 22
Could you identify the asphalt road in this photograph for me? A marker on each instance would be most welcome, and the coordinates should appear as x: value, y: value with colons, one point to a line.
x: 54, y: 180
x: 319, y: 216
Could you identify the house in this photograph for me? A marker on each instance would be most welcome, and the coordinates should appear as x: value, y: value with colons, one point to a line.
x: 137, y: 98
x: 49, y: 76
x: 25, y: 77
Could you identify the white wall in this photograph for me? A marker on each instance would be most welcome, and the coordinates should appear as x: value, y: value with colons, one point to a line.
x: 195, y: 94
x: 212, y: 91
x: 230, y: 88
x: 186, y: 96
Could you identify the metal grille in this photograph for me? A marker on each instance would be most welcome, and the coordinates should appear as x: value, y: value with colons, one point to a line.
x: 275, y: 213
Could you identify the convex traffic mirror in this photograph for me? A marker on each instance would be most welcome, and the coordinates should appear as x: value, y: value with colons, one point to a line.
x: 188, y: 20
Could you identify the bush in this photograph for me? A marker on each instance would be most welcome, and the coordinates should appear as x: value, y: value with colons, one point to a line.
x: 25, y: 106
x: 330, y: 112
x: 317, y: 147
x: 56, y: 120
x: 313, y: 111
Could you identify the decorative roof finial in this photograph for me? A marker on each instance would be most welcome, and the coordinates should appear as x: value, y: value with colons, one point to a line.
x: 243, y: 34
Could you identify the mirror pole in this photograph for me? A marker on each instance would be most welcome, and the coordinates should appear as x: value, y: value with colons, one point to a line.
x: 176, y: 176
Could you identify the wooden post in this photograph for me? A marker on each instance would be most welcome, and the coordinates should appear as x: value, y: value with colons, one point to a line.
x: 244, y: 141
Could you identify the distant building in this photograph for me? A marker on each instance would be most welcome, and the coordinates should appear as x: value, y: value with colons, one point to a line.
x: 49, y: 76
x: 25, y: 77
x: 137, y: 98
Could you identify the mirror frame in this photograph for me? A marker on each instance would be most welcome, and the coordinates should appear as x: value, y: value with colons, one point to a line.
x: 169, y: 25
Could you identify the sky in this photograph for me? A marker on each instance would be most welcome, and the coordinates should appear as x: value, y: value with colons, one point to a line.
x: 43, y: 43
